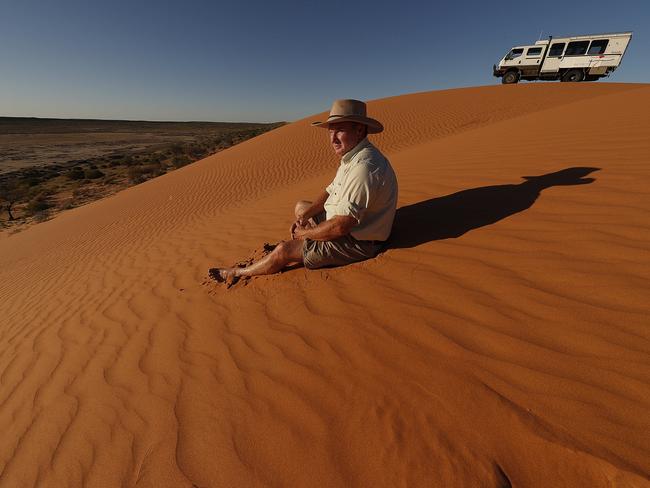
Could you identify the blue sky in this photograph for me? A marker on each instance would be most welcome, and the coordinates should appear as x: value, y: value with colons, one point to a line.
x: 267, y: 61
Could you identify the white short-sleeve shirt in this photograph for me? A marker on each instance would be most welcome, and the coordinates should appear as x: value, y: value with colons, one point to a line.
x: 365, y: 187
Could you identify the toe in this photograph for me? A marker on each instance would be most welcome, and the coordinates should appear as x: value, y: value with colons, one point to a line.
x: 215, y: 274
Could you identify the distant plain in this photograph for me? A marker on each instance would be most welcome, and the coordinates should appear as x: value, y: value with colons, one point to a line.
x: 49, y: 165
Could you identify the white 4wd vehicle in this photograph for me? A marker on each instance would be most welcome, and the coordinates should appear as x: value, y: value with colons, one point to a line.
x: 578, y: 58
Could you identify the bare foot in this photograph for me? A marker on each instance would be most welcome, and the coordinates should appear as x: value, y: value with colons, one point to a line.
x: 224, y: 275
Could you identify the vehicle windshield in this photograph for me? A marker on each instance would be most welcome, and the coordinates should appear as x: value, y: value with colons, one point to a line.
x: 514, y: 53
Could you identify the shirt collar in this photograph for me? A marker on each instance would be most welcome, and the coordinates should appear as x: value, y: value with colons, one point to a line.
x: 348, y: 156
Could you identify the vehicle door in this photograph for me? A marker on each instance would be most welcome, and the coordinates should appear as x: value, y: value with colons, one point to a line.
x: 554, y: 56
x: 532, y: 59
x: 513, y: 58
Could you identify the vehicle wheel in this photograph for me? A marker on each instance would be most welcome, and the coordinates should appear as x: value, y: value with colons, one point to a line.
x: 574, y: 75
x: 510, y: 77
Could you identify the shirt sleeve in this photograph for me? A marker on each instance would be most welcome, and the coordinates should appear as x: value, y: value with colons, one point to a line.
x: 355, y: 193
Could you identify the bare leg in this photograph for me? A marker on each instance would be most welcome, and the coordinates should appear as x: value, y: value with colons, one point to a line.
x: 286, y: 252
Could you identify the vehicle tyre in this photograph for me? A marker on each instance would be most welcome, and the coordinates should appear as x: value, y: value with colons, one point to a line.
x: 510, y: 77
x: 573, y: 75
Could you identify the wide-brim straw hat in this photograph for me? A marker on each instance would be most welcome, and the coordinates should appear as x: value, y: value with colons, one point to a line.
x: 350, y: 111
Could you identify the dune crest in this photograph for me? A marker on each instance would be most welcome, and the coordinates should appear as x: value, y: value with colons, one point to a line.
x: 501, y: 340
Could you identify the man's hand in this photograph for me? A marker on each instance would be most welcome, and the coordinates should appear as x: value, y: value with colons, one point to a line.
x: 294, y: 226
x: 298, y: 229
x: 337, y: 226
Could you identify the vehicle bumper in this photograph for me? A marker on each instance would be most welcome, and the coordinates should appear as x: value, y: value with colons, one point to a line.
x: 496, y: 72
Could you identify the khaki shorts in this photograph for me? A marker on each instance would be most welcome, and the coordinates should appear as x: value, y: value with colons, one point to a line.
x: 338, y: 252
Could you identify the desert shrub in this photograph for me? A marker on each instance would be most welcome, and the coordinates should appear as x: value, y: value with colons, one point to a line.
x: 176, y: 149
x: 67, y: 204
x: 12, y: 192
x: 196, y: 152
x: 136, y: 175
x: 157, y: 157
x: 42, y: 215
x: 93, y: 174
x: 147, y: 169
x: 120, y: 160
x: 42, y: 193
x: 79, y: 193
x: 37, y: 204
x: 155, y: 169
x: 180, y: 161
x: 76, y: 173
x: 32, y: 181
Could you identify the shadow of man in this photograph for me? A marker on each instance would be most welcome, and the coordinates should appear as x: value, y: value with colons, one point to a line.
x: 454, y: 215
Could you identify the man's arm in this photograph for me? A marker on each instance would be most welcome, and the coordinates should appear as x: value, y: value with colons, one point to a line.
x: 314, y: 209
x: 337, y: 226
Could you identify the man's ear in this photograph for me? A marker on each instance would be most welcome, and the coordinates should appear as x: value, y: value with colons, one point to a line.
x: 362, y: 130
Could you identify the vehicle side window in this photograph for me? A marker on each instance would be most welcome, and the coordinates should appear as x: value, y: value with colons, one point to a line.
x: 576, y: 48
x: 598, y: 46
x: 556, y: 50
x: 515, y: 53
x: 534, y: 51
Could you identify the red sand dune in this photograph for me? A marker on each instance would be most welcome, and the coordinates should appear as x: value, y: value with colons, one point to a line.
x: 502, y: 340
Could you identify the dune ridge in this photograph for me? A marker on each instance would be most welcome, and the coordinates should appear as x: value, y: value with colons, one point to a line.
x: 501, y: 341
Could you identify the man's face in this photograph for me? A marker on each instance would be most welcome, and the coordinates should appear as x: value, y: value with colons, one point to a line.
x: 344, y: 136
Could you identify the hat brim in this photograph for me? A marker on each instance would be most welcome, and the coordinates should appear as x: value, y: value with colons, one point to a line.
x: 374, y: 126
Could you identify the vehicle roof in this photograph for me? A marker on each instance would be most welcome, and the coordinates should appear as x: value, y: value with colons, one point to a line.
x: 571, y: 38
x: 589, y: 36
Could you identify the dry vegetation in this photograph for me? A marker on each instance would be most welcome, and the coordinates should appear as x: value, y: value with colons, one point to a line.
x: 95, y: 159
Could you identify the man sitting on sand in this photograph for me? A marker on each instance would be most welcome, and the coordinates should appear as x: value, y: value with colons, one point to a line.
x: 351, y: 220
